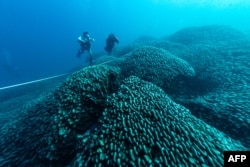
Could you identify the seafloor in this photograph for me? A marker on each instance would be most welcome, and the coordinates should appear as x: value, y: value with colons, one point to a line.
x: 180, y: 100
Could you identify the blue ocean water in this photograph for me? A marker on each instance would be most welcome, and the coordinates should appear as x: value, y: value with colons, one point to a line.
x: 174, y: 92
x: 38, y: 38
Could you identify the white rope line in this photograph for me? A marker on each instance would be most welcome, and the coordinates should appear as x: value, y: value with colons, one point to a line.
x: 39, y: 80
x: 105, y: 62
x: 26, y: 83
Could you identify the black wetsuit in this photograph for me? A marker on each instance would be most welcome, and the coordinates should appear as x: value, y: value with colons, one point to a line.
x: 110, y: 43
x: 85, y: 45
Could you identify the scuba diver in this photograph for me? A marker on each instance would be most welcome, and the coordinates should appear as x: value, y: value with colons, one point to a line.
x: 85, y: 43
x: 110, y: 43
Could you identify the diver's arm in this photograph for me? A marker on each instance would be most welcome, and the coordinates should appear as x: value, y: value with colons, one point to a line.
x: 116, y: 40
x: 80, y: 39
x: 92, y: 39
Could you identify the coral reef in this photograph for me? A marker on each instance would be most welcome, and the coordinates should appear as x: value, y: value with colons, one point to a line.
x: 46, y: 132
x: 24, y: 138
x: 178, y: 101
x: 142, y: 126
x: 81, y: 100
x: 228, y: 107
x: 219, y: 90
x: 157, y: 66
x: 192, y: 35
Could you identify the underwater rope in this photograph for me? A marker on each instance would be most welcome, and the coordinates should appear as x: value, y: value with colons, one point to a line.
x: 105, y: 62
x: 39, y: 80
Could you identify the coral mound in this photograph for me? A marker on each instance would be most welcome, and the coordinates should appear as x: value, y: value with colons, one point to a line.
x: 81, y: 99
x: 142, y: 126
x: 157, y: 66
x: 216, y: 33
x: 46, y: 132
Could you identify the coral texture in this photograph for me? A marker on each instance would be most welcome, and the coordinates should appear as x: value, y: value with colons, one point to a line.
x: 45, y: 133
x: 157, y: 66
x: 217, y: 33
x: 142, y: 126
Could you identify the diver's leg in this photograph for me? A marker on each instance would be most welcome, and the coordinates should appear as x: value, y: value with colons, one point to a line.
x: 80, y: 52
x: 90, y: 57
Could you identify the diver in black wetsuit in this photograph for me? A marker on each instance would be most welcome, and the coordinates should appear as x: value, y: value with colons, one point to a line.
x: 85, y: 43
x: 110, y: 43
